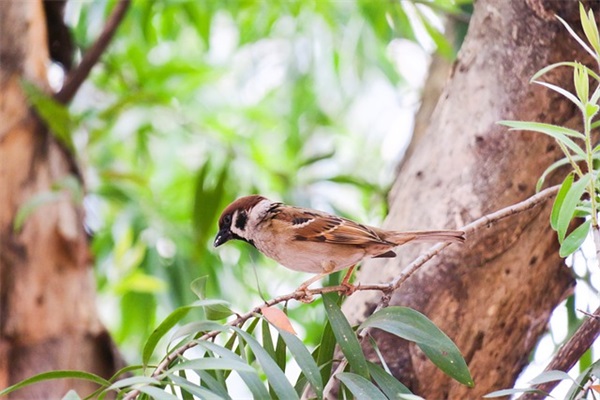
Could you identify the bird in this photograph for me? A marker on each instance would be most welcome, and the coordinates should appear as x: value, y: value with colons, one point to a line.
x: 308, y: 240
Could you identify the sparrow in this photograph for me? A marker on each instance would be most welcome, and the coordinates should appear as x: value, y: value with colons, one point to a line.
x: 307, y: 240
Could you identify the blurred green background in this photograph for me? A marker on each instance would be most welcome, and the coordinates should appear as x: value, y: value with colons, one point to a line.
x: 198, y: 102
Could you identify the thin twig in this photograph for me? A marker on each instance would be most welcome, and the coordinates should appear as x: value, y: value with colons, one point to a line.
x: 386, y: 288
x: 570, y: 352
x: 91, y: 57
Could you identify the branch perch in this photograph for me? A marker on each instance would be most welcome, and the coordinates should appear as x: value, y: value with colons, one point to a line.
x: 386, y: 288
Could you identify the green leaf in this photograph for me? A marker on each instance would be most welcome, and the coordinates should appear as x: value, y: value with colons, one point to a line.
x: 305, y: 361
x: 575, y: 239
x: 582, y: 83
x: 194, y: 389
x: 196, y: 327
x: 345, y: 336
x: 213, y: 384
x: 386, y: 382
x: 132, y: 381
x: 325, y: 352
x: 211, y: 363
x: 275, y: 375
x: 213, y: 312
x: 567, y: 209
x: 550, y: 67
x: 414, y: 326
x: 560, y: 198
x: 570, y: 96
x: 361, y: 388
x: 54, y: 114
x: 157, y: 393
x: 559, y: 133
x: 177, y: 315
x: 32, y: 204
x: 576, y: 37
x: 251, y: 379
x: 47, y: 376
x: 550, y: 376
x: 554, y: 166
x: 588, y: 23
x: 575, y: 389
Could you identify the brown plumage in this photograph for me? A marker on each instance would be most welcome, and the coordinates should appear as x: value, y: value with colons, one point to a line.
x: 313, y: 241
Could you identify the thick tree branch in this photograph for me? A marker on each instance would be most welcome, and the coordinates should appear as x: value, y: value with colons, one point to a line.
x: 570, y: 352
x: 386, y: 288
x: 91, y: 57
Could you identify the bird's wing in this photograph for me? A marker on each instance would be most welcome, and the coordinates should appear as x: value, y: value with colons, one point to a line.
x: 312, y: 226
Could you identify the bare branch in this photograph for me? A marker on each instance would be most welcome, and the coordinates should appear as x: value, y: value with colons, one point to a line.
x: 570, y: 352
x: 91, y: 57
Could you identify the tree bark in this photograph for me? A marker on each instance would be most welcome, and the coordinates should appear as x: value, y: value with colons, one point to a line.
x: 493, y: 296
x: 48, y: 318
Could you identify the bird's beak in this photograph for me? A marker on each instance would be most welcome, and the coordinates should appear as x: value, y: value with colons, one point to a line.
x: 223, y: 236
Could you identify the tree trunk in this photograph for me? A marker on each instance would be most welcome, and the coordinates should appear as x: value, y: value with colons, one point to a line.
x: 48, y: 318
x: 493, y: 296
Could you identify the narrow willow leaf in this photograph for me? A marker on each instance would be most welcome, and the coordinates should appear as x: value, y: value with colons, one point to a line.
x: 47, y: 376
x: 575, y: 389
x: 553, y: 167
x: 345, y: 336
x: 325, y: 352
x: 305, y: 361
x: 550, y: 67
x: 275, y: 375
x: 32, y: 204
x: 251, y: 379
x: 213, y: 384
x: 550, y: 376
x: 588, y: 23
x: 210, y: 363
x: 414, y: 326
x: 361, y: 388
x: 581, y: 83
x: 576, y: 37
x: 194, y: 389
x: 177, y: 315
x: 157, y: 393
x: 567, y: 209
x: 185, y: 394
x: 509, y: 392
x: 557, y: 132
x: 391, y: 386
x: 560, y: 198
x: 575, y: 239
x: 196, y: 327
x: 133, y: 380
x: 565, y: 93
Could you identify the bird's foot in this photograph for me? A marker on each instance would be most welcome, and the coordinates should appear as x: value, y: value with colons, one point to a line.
x: 349, y: 289
x: 304, y: 295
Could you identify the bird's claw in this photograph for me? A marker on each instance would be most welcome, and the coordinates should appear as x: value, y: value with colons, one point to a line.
x: 303, y: 294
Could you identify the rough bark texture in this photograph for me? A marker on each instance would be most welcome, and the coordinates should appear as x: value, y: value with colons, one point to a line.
x: 493, y: 296
x: 48, y: 317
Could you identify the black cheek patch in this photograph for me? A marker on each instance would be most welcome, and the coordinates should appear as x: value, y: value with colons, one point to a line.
x: 241, y: 220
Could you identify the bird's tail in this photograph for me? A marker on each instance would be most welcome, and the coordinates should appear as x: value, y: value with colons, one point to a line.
x: 426, y: 236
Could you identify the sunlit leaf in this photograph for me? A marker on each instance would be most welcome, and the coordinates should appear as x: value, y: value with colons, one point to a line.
x: 559, y: 199
x: 414, y: 326
x: 567, y: 209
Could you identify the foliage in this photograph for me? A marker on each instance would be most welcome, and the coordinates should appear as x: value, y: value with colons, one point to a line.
x: 575, y: 199
x: 237, y: 350
x: 578, y: 196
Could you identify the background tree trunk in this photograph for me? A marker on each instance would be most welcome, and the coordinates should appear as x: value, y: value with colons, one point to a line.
x: 48, y: 318
x: 493, y: 296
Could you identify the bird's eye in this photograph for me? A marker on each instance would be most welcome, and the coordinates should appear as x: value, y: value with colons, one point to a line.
x: 227, y: 219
